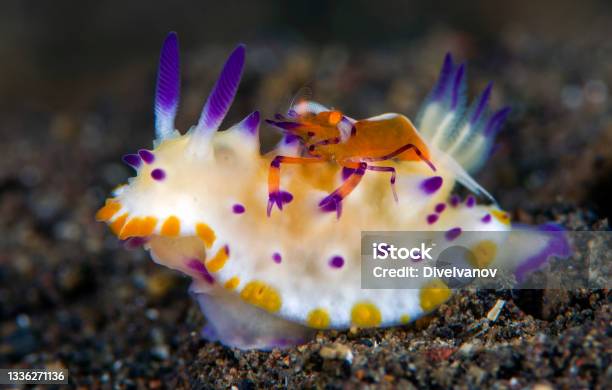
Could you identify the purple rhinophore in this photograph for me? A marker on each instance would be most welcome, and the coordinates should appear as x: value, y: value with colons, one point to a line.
x: 200, y: 268
x: 432, y: 218
x: 496, y: 121
x: 168, y: 78
x: 336, y: 262
x: 457, y: 86
x: 238, y: 208
x: 453, y: 233
x: 222, y: 95
x: 277, y: 257
x: 146, y: 155
x: 556, y: 246
x: 486, y: 218
x: 278, y: 117
x: 482, y: 103
x: 431, y: 185
x: 440, y: 207
x: 454, y: 200
x: 132, y: 160
x: 347, y: 172
x: 470, y: 201
x: 168, y: 85
x: 444, y: 78
x: 251, y: 122
x: 158, y: 174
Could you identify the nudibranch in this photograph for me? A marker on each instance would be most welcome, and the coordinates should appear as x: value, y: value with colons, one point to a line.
x: 199, y: 203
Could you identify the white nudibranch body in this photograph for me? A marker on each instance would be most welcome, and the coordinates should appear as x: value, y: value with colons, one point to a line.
x: 199, y: 204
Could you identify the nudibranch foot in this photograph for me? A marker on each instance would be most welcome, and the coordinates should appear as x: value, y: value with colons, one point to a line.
x: 237, y: 324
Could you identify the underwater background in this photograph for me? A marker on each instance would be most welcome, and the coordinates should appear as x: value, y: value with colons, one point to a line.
x: 76, y: 93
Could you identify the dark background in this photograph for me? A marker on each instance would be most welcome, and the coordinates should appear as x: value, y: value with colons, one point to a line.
x: 76, y: 91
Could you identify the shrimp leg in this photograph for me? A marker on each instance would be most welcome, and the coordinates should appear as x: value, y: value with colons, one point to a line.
x: 399, y: 151
x: 332, y: 202
x: 386, y: 169
x: 275, y: 195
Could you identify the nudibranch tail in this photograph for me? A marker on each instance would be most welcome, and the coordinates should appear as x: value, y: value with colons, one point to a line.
x: 168, y: 87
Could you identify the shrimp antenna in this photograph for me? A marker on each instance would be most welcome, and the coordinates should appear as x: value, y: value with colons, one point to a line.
x: 303, y: 94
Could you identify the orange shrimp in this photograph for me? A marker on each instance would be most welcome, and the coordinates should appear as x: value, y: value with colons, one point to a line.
x: 329, y: 136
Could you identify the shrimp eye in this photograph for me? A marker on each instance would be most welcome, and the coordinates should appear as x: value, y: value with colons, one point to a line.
x: 334, y: 117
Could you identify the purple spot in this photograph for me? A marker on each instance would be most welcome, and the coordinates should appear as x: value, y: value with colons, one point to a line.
x: 454, y: 200
x: 431, y: 185
x: 238, y: 208
x: 222, y: 95
x: 132, y: 160
x: 557, y: 246
x: 158, y: 174
x: 277, y: 257
x: 200, y: 268
x: 486, y: 218
x: 146, y: 155
x: 336, y: 262
x: 452, y: 233
x: 432, y: 218
x: 470, y: 201
x: 440, y: 207
x: 346, y: 172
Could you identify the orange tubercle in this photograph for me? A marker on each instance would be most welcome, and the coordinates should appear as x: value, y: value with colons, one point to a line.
x: 118, y: 223
x: 147, y: 227
x: 171, y: 227
x: 107, y: 211
x: 206, y: 234
x: 218, y: 261
x: 130, y: 229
